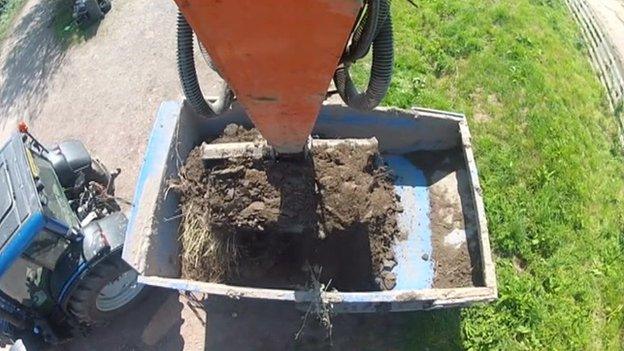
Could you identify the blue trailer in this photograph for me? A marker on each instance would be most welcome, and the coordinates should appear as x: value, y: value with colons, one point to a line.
x: 153, y: 249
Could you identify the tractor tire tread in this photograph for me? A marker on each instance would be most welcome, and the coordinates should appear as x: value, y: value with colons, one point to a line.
x: 82, y: 301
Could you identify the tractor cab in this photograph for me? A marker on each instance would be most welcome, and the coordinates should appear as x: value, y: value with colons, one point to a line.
x: 36, y: 220
x: 61, y: 235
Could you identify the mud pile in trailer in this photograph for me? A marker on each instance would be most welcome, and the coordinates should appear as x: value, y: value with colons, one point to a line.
x: 264, y: 223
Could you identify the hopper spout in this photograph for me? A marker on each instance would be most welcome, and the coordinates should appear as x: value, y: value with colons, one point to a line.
x: 278, y: 56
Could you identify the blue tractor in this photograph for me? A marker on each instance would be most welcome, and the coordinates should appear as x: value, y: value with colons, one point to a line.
x: 61, y: 237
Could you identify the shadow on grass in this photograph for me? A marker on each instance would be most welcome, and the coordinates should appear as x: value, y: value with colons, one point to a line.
x: 257, y: 325
x: 10, y: 9
x: 66, y: 29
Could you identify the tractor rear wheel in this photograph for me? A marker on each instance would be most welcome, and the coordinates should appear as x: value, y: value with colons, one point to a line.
x: 107, y: 291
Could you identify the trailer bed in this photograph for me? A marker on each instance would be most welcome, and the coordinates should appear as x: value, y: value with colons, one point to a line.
x: 445, y: 260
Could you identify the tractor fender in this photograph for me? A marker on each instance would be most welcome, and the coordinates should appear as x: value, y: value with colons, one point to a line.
x: 104, y: 235
x: 102, y: 239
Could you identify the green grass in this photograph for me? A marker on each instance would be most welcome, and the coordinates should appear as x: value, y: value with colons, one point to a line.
x: 549, y: 161
x: 65, y: 28
x: 8, y: 10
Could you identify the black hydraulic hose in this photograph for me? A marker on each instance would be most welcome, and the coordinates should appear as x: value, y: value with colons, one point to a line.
x: 188, y: 75
x: 381, y: 70
x: 364, y: 33
x: 384, y: 14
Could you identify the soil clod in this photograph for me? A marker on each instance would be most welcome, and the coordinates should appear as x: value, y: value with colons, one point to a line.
x: 257, y: 222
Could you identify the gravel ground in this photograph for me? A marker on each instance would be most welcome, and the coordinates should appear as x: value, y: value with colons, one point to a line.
x: 104, y: 91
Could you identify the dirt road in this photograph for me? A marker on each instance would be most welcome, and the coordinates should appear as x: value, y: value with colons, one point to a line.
x: 168, y: 321
x: 104, y: 91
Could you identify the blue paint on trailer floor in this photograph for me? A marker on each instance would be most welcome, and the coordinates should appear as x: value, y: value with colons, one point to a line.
x: 412, y: 271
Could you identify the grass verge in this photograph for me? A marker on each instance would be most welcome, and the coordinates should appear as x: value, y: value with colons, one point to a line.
x: 8, y: 10
x: 549, y: 162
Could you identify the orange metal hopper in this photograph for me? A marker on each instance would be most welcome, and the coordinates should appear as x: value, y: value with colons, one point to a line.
x: 277, y: 55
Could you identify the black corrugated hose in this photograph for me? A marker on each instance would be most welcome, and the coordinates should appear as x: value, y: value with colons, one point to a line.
x: 188, y: 75
x: 375, y: 26
x: 363, y: 34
